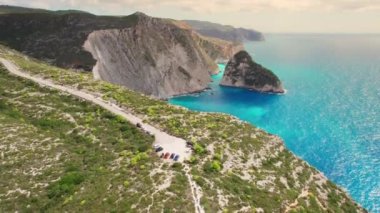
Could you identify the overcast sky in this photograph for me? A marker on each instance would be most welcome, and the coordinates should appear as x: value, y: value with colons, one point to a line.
x: 268, y: 16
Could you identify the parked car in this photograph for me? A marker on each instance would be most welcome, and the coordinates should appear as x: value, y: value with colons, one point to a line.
x: 159, y: 149
x: 172, y: 156
x: 176, y: 158
x: 155, y: 146
x: 162, y: 155
x: 167, y: 155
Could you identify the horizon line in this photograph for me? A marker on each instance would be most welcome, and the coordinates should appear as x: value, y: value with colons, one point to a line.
x: 263, y: 32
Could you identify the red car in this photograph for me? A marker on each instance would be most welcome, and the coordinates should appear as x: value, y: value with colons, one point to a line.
x: 167, y: 155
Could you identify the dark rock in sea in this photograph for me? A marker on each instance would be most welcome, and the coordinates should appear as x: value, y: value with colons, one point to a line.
x: 242, y: 71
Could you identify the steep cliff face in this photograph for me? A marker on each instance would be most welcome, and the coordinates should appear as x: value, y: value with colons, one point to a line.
x: 242, y: 71
x: 154, y: 57
x: 219, y: 50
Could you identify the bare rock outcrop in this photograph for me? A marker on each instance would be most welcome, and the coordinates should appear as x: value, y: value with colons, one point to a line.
x: 154, y: 57
x: 217, y: 49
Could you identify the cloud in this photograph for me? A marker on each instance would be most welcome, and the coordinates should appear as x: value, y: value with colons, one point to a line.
x: 203, y: 6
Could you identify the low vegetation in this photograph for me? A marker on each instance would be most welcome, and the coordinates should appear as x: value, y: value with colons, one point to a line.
x: 105, y: 163
x: 59, y: 153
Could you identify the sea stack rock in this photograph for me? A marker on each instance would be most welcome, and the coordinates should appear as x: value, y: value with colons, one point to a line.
x: 242, y: 71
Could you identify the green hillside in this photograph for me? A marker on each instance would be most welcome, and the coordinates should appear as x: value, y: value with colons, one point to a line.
x: 55, y: 36
x: 64, y: 154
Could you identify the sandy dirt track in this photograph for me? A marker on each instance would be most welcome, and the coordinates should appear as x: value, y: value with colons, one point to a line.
x: 169, y: 143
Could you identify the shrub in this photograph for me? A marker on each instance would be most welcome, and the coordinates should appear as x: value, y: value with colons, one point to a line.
x: 193, y: 160
x: 120, y: 119
x: 48, y: 123
x: 199, y: 180
x: 198, y: 149
x: 2, y: 105
x: 65, y: 185
x: 177, y: 166
x: 108, y: 115
x: 217, y: 157
x: 214, y: 166
x: 126, y: 184
x: 138, y: 157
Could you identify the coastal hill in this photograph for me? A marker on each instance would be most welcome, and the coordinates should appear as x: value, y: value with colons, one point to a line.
x: 62, y: 153
x: 158, y: 57
x: 54, y: 36
x: 242, y: 71
x: 225, y: 32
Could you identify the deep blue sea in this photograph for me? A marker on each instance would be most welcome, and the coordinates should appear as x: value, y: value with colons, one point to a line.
x: 330, y: 115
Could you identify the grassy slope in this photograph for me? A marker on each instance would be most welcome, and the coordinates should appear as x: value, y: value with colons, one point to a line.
x: 61, y: 153
x: 236, y: 164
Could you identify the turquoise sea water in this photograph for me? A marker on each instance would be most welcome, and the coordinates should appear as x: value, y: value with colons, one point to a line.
x: 330, y: 115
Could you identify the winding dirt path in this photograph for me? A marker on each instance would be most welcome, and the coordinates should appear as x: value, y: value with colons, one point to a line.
x: 168, y: 142
x: 195, y: 191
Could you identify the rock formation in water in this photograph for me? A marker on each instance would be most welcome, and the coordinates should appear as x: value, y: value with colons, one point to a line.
x: 242, y: 71
x: 225, y: 32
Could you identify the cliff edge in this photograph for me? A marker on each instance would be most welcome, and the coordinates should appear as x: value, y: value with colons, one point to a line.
x: 154, y: 57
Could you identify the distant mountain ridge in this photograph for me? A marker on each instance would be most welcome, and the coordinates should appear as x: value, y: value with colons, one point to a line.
x: 8, y: 9
x: 225, y: 32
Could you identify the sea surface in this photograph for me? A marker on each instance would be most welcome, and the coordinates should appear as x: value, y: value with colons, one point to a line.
x: 330, y: 115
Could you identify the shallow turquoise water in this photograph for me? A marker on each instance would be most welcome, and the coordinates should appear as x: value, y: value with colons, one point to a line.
x: 330, y: 115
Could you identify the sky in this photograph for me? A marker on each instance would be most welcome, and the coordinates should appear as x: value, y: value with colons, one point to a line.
x: 268, y: 16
